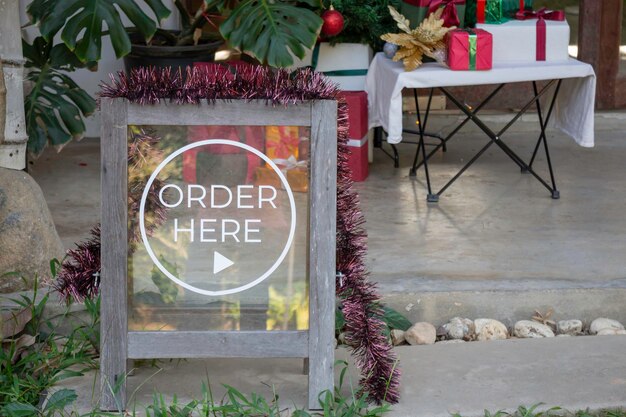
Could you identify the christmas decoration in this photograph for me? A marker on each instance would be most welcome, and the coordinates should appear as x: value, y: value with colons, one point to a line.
x: 361, y: 303
x: 390, y: 49
x: 417, y: 43
x: 333, y: 23
x: 364, y: 21
x: 79, y: 277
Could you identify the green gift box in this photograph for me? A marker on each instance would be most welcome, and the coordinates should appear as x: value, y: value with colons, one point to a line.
x: 417, y: 10
x: 493, y: 11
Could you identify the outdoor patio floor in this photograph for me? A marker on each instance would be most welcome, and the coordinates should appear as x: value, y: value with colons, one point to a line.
x: 498, y: 230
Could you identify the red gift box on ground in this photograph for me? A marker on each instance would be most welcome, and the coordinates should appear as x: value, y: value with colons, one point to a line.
x: 357, y: 113
x: 358, y: 158
x: 470, y: 49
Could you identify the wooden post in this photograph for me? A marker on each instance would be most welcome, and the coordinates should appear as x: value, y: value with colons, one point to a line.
x: 13, y: 141
x: 3, y: 103
x: 113, y: 287
x: 599, y: 36
x: 322, y: 269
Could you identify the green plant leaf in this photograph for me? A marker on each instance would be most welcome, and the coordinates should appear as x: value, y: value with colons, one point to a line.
x: 316, y: 4
x: 60, y: 399
x: 269, y: 30
x: 394, y: 319
x: 56, y: 105
x: 81, y: 23
x: 340, y: 320
x: 19, y: 410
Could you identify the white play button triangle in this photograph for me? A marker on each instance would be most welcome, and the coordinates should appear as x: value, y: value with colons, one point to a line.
x: 220, y: 262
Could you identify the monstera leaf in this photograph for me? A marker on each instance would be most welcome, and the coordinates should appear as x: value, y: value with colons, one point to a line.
x: 81, y: 23
x: 268, y: 29
x: 56, y: 105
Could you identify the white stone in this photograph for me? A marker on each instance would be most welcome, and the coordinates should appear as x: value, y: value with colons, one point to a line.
x: 451, y: 342
x: 397, y: 337
x: 611, y: 332
x: 528, y: 329
x: 459, y: 328
x: 342, y: 338
x: 570, y: 327
x: 489, y: 329
x: 421, y: 333
x: 604, y: 323
x: 564, y: 335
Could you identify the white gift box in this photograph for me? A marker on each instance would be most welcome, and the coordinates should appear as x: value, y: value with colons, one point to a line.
x: 516, y: 41
x: 338, y: 58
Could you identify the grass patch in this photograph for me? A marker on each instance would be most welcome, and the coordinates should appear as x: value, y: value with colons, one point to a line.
x: 34, y: 358
x: 538, y: 410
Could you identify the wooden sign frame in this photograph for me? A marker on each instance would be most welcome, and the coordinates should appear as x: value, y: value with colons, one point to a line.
x: 118, y: 344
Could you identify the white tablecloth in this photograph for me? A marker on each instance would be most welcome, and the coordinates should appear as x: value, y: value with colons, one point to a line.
x: 573, y: 113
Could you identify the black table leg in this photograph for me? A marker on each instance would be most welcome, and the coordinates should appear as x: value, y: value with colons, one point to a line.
x: 495, y: 138
x: 460, y: 125
x: 421, y: 146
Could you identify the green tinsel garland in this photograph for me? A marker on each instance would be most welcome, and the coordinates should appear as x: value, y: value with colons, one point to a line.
x: 364, y: 21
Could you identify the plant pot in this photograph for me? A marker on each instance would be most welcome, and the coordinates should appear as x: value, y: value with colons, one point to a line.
x: 162, y: 56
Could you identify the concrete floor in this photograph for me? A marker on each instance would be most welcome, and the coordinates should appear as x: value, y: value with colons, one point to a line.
x: 495, y: 245
x: 437, y: 380
x: 497, y: 231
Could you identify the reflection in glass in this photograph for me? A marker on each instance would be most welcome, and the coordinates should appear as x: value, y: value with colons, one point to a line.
x: 217, y: 218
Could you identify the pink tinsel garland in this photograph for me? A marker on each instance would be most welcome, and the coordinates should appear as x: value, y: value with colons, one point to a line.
x: 364, y: 327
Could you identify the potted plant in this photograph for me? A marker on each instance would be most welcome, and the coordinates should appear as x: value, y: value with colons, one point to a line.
x: 267, y: 30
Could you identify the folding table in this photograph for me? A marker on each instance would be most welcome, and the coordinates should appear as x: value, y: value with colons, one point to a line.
x: 571, y: 107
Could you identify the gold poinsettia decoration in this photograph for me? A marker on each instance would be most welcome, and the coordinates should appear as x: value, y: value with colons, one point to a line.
x: 423, y: 40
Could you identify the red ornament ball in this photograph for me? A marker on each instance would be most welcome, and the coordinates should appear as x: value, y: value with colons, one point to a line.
x: 333, y: 23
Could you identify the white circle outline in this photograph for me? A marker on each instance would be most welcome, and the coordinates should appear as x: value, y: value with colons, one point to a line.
x: 248, y: 148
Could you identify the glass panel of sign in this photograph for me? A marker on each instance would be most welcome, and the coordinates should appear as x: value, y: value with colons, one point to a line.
x: 218, y: 228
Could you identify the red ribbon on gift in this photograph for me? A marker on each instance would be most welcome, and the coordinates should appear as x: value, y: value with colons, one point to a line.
x: 541, y: 15
x: 480, y: 11
x: 541, y: 40
x: 450, y: 16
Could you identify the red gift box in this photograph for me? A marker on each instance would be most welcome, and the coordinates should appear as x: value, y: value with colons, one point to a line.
x: 357, y: 160
x: 357, y: 112
x: 470, y: 49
